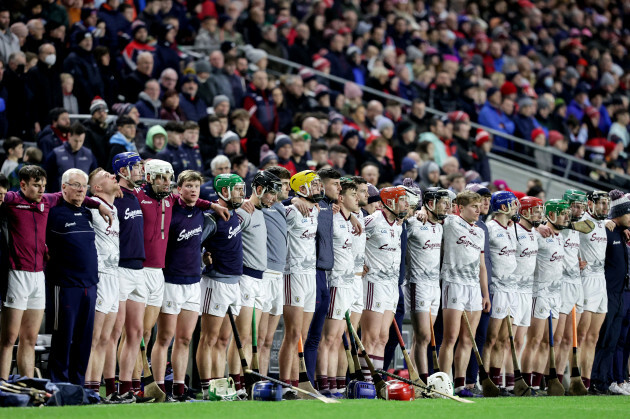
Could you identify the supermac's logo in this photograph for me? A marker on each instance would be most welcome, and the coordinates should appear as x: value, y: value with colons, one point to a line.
x: 430, y: 246
x: 308, y: 235
x: 528, y: 253
x: 131, y: 214
x: 556, y: 257
x: 235, y: 231
x: 467, y: 243
x: 598, y: 239
x: 185, y: 235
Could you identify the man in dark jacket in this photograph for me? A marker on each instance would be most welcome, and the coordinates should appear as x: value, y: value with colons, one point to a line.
x: 339, y: 65
x: 43, y: 80
x: 299, y: 51
x: 149, y: 104
x: 461, y: 138
x: 166, y: 54
x: 220, y: 80
x: 97, y: 130
x: 441, y: 94
x: 69, y: 155
x: 173, y: 152
x: 82, y: 65
x: 115, y: 23
x: 134, y: 83
x: 191, y: 105
x: 73, y: 271
x: 56, y: 133
x: 616, y: 272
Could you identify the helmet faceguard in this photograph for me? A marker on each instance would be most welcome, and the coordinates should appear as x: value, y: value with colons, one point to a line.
x: 598, y: 204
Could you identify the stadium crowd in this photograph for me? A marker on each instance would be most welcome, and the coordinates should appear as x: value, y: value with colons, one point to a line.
x: 551, y: 72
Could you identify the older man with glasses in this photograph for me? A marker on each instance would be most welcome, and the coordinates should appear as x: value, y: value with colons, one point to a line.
x: 73, y: 272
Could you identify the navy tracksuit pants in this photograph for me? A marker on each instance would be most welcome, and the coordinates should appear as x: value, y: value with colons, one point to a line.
x: 317, y: 324
x: 620, y: 360
x: 72, y: 334
x: 607, y: 343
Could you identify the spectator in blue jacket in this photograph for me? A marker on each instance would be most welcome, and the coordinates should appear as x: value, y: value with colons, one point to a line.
x: 190, y: 147
x: 173, y: 152
x: 492, y: 116
x: 115, y: 23
x: 149, y: 104
x: 56, y: 133
x: 191, y: 105
x: 82, y: 65
x: 69, y: 155
x: 580, y: 101
x: 525, y: 122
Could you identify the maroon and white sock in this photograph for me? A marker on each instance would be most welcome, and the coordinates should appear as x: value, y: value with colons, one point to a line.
x: 460, y: 382
x: 125, y: 387
x: 322, y: 382
x: 295, y: 383
x: 536, y: 379
x: 509, y: 381
x: 237, y: 380
x: 527, y: 376
x: 341, y: 383
x: 135, y: 384
x: 110, y: 386
x: 424, y: 378
x: 161, y: 385
x: 365, y: 370
x: 586, y: 381
x: 332, y: 383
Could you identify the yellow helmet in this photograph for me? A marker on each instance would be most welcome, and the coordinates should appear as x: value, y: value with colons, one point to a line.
x: 306, y: 178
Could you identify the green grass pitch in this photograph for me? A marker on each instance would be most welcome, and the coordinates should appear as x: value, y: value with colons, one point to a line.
x: 557, y: 407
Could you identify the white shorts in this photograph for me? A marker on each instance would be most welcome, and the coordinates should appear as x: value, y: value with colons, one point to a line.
x: 422, y: 298
x: 217, y: 296
x: 252, y: 292
x: 154, y: 278
x: 300, y: 291
x: 26, y: 290
x: 132, y: 285
x: 272, y: 280
x: 504, y: 303
x: 595, y: 294
x: 461, y: 297
x: 357, y: 295
x: 541, y: 307
x: 340, y: 302
x: 571, y: 295
x: 523, y: 316
x: 107, y: 292
x: 380, y: 296
x: 178, y: 297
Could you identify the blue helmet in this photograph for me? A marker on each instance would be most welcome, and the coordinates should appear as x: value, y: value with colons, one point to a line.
x: 501, y: 198
x: 126, y: 159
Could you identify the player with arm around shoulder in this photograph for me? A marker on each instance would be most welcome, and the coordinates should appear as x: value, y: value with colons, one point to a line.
x: 422, y: 283
x: 464, y: 283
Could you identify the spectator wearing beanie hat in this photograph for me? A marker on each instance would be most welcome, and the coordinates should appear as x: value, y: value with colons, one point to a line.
x: 267, y: 158
x: 96, y: 131
x: 374, y: 200
x: 483, y: 145
x: 353, y: 93
x: 408, y: 169
x: 191, y: 105
x: 508, y: 89
x: 231, y: 144
x: 284, y: 150
x: 543, y: 159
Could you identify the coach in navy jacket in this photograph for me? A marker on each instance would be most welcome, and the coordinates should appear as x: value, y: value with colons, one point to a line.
x: 73, y: 272
x: 69, y: 155
x: 616, y: 271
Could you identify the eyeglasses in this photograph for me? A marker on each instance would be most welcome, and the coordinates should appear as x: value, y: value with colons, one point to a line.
x: 78, y: 186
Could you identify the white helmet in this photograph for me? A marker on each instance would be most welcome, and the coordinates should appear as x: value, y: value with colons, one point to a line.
x: 156, y: 167
x: 441, y: 382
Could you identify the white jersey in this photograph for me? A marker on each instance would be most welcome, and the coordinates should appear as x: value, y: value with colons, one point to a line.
x: 548, y: 273
x: 107, y: 239
x: 593, y: 248
x: 463, y: 245
x: 301, y: 232
x: 502, y: 253
x: 424, y: 243
x: 358, y: 244
x: 382, y: 248
x: 526, y: 252
x: 571, y: 264
x: 342, y: 274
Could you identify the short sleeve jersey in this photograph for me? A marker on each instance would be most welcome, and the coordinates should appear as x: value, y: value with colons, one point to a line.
x: 548, y: 273
x: 342, y: 274
x: 424, y: 243
x: 463, y: 245
x: 571, y: 264
x: 107, y: 239
x: 526, y: 252
x: 301, y: 232
x: 502, y: 251
x: 593, y: 248
x: 382, y: 248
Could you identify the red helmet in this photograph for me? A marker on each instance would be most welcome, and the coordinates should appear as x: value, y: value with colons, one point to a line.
x: 397, y: 390
x: 391, y: 197
x: 529, y: 202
